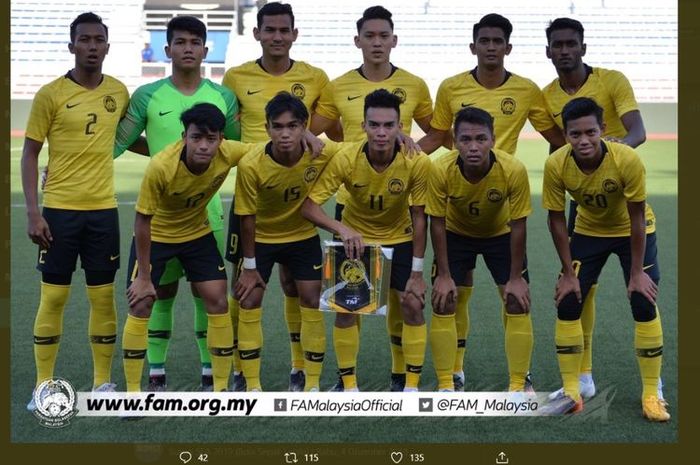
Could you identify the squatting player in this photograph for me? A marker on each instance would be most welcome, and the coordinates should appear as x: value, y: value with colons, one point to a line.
x: 379, y: 177
x: 78, y: 114
x: 511, y: 100
x: 623, y: 123
x: 171, y: 222
x: 478, y: 203
x: 156, y: 107
x: 255, y: 83
x: 271, y: 186
x: 607, y: 179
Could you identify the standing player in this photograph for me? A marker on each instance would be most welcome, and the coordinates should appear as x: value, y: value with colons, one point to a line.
x: 379, y: 177
x: 157, y: 107
x: 623, y: 123
x: 343, y: 100
x: 255, y: 83
x: 510, y: 99
x: 271, y: 186
x: 172, y: 222
x: 607, y: 179
x: 78, y: 113
x: 478, y: 202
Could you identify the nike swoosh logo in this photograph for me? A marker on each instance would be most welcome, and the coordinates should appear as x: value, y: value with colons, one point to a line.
x: 318, y: 267
x: 221, y: 268
x: 316, y: 358
x: 69, y: 106
x: 353, y: 98
x: 253, y: 92
x: 247, y: 355
x: 647, y: 267
x: 464, y: 105
x: 359, y: 185
x: 226, y: 352
x: 42, y: 340
x: 135, y: 354
x: 163, y: 113
x: 556, y: 114
x: 272, y: 187
x: 655, y: 353
x: 113, y: 257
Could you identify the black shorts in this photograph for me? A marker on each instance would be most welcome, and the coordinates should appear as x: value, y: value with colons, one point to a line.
x: 589, y: 254
x: 233, y: 247
x: 303, y: 258
x: 91, y: 234
x: 571, y: 223
x: 401, y: 263
x: 462, y: 252
x: 200, y: 258
x: 339, y: 207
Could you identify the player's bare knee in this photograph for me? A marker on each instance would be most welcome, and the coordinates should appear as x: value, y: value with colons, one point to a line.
x: 344, y: 320
x: 167, y: 291
x: 513, y: 307
x: 142, y: 308
x: 642, y: 309
x: 569, y: 308
x: 217, y: 305
x: 447, y: 309
x: 412, y: 310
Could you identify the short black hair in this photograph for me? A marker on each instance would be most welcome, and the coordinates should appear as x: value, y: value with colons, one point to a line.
x: 375, y: 12
x: 474, y: 115
x: 579, y: 108
x: 382, y: 98
x: 86, y: 18
x: 188, y: 24
x: 494, y: 20
x: 563, y: 23
x: 285, y: 102
x: 275, y: 9
x: 205, y: 116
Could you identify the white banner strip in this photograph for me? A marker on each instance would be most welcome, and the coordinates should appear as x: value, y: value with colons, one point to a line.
x: 309, y: 404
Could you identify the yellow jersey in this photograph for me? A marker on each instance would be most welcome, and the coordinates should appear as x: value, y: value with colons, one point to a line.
x: 274, y: 193
x: 378, y: 204
x: 176, y: 198
x: 602, y: 195
x: 511, y: 104
x: 254, y: 87
x: 80, y: 125
x: 483, y: 209
x: 609, y: 88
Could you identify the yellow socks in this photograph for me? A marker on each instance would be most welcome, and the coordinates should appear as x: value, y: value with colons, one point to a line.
x: 134, y: 345
x: 568, y: 337
x: 48, y: 327
x: 292, y: 315
x: 102, y: 329
x: 250, y: 341
x: 462, y: 324
x: 587, y: 323
x: 313, y: 340
x: 518, y: 340
x: 648, y: 343
x: 233, y: 310
x: 220, y: 344
x: 347, y: 342
x: 394, y: 326
x: 443, y: 339
x: 414, y: 342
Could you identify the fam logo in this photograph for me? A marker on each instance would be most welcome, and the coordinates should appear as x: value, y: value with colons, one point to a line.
x: 494, y: 195
x: 400, y: 93
x: 310, y: 173
x: 55, y: 403
x: 353, y: 272
x: 610, y: 186
x: 395, y: 186
x: 508, y: 106
x: 298, y: 90
x: 109, y: 103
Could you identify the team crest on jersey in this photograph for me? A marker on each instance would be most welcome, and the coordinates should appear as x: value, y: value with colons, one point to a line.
x: 109, y: 103
x: 395, y: 186
x: 508, y: 106
x: 217, y: 182
x: 298, y: 90
x: 400, y: 93
x: 610, y: 186
x: 310, y: 173
x: 494, y: 195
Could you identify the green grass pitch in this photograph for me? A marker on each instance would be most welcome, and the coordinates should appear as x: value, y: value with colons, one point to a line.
x: 613, y: 416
